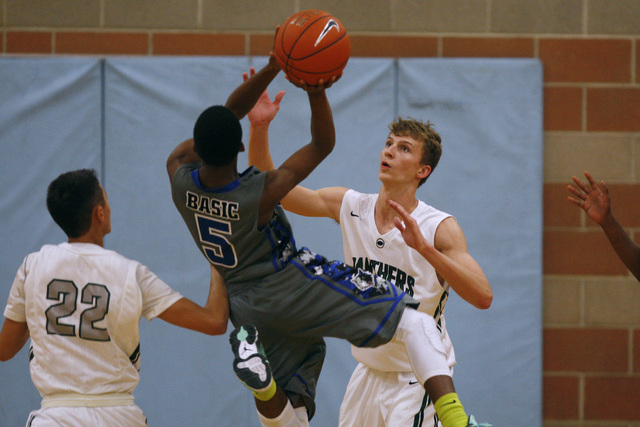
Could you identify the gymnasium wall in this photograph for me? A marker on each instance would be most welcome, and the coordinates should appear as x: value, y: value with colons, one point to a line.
x: 591, y: 59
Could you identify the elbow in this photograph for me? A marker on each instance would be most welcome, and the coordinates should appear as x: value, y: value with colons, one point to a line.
x: 332, y: 144
x: 220, y: 328
x: 324, y: 142
x: 5, y: 356
x: 216, y: 327
x: 485, y: 301
x: 328, y: 148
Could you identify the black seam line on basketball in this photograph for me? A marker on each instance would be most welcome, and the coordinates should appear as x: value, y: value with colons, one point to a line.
x: 304, y: 31
x: 286, y: 63
x: 317, y: 51
x: 292, y: 69
x: 299, y: 37
x: 285, y: 60
x: 281, y: 32
x: 341, y: 65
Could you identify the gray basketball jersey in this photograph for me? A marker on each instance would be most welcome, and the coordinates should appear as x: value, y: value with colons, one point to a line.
x: 224, y: 223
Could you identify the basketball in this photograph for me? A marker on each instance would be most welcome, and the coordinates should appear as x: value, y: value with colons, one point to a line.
x: 312, y: 45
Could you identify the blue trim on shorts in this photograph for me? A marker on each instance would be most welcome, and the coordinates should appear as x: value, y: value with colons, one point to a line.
x: 341, y: 290
x: 396, y: 297
x: 302, y: 380
x: 384, y: 321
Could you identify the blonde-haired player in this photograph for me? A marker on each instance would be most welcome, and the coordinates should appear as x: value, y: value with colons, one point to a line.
x: 420, y: 249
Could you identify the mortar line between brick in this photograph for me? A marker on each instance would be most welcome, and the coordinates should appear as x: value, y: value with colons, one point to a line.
x: 585, y: 17
x: 583, y: 302
x: 630, y: 355
x: 581, y: 397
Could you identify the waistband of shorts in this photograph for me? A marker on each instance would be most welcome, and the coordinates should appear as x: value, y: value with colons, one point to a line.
x: 87, y: 400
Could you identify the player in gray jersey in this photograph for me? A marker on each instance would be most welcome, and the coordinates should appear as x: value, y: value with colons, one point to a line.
x: 81, y: 305
x: 292, y: 296
x: 419, y: 248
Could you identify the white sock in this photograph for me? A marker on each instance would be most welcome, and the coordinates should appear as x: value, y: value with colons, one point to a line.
x: 303, y: 415
x: 420, y: 336
x: 287, y: 418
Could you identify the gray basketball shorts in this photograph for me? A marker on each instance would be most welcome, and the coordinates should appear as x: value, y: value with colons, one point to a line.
x: 312, y: 298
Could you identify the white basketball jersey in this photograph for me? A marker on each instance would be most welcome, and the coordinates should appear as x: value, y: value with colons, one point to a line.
x: 388, y: 256
x: 83, y: 304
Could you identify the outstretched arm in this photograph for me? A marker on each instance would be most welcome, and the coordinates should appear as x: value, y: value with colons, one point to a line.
x: 595, y: 201
x: 449, y: 256
x: 300, y: 164
x: 241, y: 100
x: 260, y: 117
x: 212, y: 319
x: 325, y: 202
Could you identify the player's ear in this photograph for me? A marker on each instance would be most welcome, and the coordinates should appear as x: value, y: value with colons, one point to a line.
x: 424, y: 171
x: 98, y: 214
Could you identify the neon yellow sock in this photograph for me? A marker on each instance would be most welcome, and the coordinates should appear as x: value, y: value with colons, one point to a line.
x: 268, y: 393
x: 450, y: 411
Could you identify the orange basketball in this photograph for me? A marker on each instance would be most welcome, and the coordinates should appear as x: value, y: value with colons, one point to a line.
x: 312, y: 45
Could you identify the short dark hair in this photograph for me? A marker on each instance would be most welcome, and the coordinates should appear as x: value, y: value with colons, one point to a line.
x: 217, y: 135
x: 71, y: 198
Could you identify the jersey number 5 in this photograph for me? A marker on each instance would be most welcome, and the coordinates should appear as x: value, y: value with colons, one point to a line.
x: 215, y: 246
x: 96, y: 295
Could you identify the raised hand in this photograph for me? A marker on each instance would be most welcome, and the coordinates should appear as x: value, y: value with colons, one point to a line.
x: 410, y: 230
x: 265, y: 110
x: 593, y: 198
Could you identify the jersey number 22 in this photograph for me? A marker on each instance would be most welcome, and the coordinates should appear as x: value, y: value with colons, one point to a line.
x: 96, y: 295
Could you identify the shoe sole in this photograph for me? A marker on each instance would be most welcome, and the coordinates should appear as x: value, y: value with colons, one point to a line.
x: 250, y: 366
